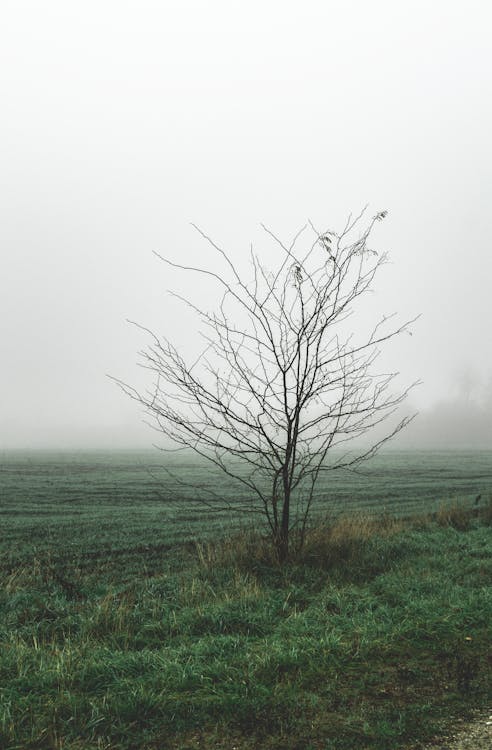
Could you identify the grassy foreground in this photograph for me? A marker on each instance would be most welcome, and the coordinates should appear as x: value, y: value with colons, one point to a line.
x: 374, y: 638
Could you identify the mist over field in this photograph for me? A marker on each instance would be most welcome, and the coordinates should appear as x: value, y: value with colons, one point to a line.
x: 451, y: 424
x: 123, y: 122
x: 460, y: 420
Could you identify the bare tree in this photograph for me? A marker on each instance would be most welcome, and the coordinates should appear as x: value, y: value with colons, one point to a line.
x: 281, y: 382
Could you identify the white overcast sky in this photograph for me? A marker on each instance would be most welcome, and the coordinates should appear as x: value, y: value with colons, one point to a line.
x: 122, y: 121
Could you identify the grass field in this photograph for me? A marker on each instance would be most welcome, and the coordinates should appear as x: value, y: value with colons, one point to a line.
x: 131, y: 619
x: 121, y: 504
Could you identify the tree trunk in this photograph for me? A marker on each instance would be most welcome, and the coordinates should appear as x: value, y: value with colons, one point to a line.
x: 282, y: 541
x: 282, y: 546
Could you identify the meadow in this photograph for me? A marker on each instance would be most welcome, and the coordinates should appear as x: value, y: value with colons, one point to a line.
x: 133, y: 617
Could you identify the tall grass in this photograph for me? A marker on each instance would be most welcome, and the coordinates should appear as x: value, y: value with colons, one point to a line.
x: 375, y: 634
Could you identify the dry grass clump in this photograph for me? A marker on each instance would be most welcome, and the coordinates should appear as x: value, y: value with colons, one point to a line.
x: 460, y: 517
x: 343, y: 539
x: 241, y: 549
x: 455, y: 515
x: 485, y: 512
x: 331, y: 541
x: 325, y: 543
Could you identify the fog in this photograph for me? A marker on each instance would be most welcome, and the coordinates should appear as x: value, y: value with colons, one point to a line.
x: 462, y: 420
x: 122, y: 122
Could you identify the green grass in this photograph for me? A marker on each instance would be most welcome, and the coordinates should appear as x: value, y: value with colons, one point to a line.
x: 123, y: 510
x: 374, y: 637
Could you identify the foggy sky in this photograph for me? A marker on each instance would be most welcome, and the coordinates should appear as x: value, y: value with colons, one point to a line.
x: 122, y: 122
